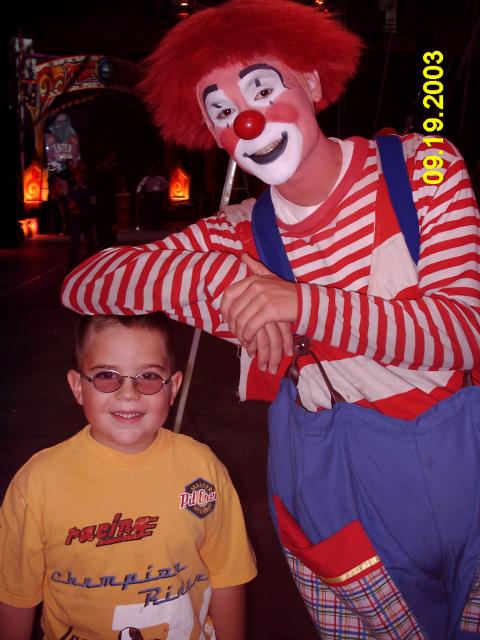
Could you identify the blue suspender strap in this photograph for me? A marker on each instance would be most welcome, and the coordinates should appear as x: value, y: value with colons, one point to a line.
x: 267, y: 238
x: 400, y: 191
x: 272, y: 254
x: 267, y: 235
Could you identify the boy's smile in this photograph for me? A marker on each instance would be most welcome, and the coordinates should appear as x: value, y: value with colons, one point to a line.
x: 125, y: 419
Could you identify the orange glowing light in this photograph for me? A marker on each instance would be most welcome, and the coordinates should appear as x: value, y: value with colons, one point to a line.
x: 29, y: 227
x: 35, y: 184
x: 44, y: 187
x: 179, y: 186
x: 32, y: 183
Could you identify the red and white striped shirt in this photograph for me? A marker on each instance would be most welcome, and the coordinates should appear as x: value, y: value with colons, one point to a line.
x: 390, y: 335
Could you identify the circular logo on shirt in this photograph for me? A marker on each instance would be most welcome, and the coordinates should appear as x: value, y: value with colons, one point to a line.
x: 199, y: 497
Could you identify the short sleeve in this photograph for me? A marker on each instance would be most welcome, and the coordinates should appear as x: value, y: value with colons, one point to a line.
x: 21, y: 551
x: 226, y: 550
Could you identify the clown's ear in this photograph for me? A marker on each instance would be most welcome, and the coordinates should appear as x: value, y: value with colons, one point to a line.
x: 315, y: 86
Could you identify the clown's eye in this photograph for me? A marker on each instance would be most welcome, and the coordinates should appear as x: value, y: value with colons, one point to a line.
x: 263, y: 93
x: 225, y: 113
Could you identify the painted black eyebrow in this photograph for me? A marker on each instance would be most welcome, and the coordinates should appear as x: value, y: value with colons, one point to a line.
x: 254, y: 67
x: 210, y: 89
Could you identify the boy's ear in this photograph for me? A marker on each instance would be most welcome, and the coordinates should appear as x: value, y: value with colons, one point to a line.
x: 74, y: 380
x: 175, y: 384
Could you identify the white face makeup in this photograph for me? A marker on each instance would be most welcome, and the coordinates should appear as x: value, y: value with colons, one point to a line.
x: 274, y: 156
x: 220, y: 109
x: 260, y: 87
x: 273, y: 90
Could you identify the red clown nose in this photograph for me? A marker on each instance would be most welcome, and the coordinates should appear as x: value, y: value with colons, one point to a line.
x: 249, y: 124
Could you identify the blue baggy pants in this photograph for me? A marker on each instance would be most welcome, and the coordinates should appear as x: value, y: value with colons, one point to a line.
x: 414, y: 485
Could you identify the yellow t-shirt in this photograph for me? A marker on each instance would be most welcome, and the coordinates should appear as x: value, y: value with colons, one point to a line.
x: 119, y: 545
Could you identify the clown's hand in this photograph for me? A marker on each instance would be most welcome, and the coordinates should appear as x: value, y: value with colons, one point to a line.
x: 270, y: 344
x: 260, y: 310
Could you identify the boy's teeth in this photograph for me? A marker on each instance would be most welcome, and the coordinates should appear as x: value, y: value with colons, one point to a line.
x: 126, y: 415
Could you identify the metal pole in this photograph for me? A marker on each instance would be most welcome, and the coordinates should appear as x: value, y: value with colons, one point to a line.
x: 192, y: 356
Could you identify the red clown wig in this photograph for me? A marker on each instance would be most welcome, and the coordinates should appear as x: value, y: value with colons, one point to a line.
x: 300, y: 37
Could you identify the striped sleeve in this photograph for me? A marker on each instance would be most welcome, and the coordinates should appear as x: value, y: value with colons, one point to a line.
x: 440, y: 329
x: 184, y: 275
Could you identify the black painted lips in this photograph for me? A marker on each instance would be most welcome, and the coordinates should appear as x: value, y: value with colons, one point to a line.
x: 266, y: 158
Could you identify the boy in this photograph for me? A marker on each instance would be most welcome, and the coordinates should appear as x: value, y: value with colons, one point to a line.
x: 125, y: 530
x: 389, y: 336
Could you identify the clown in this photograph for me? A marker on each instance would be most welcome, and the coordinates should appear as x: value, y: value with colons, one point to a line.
x: 377, y: 543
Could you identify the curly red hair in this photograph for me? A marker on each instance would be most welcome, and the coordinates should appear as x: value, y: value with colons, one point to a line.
x: 301, y: 37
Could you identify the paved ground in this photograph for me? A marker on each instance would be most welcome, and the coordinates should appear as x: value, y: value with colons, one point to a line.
x: 37, y: 410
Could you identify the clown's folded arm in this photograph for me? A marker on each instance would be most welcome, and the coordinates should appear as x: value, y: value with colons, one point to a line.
x: 184, y: 275
x: 421, y: 340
